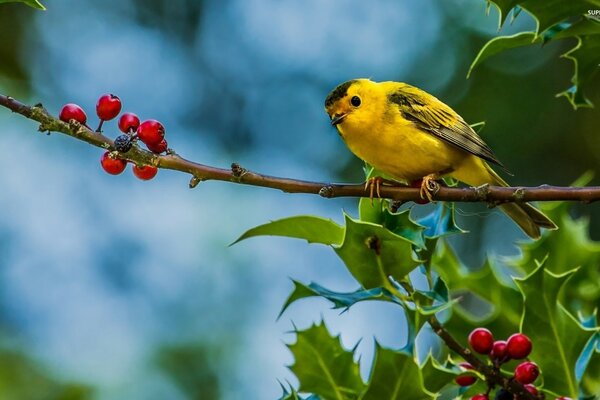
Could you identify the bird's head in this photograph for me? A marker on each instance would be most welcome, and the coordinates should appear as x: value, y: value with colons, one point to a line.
x: 352, y: 102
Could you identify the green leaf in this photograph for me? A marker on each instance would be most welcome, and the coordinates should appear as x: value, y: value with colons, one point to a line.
x: 441, y: 222
x: 567, y: 248
x: 486, y: 299
x: 399, y: 222
x: 586, y: 58
x: 310, y: 228
x: 503, y: 43
x: 339, y: 300
x: 504, y: 7
x: 551, y: 12
x: 323, y: 366
x: 372, y: 254
x: 554, y: 23
x: 553, y: 330
x: 30, y: 3
x: 435, y: 375
x: 591, y: 378
x: 395, y: 375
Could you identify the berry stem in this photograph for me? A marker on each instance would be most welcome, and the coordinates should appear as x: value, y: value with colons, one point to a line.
x: 99, y: 128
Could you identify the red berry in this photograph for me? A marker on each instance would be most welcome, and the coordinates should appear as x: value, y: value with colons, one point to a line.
x: 145, y: 172
x: 108, y: 107
x: 499, y: 351
x: 151, y: 132
x: 72, y: 111
x: 530, y: 388
x: 465, y: 380
x: 158, y: 148
x: 481, y: 340
x: 526, y: 372
x: 518, y: 346
x: 113, y: 166
x: 480, y: 396
x: 128, y: 122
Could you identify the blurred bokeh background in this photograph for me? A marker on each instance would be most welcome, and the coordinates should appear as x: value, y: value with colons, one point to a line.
x: 113, y: 288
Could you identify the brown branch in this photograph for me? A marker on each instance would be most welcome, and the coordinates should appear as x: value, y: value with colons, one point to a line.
x: 490, y: 194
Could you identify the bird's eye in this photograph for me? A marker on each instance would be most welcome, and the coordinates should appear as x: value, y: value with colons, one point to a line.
x: 355, y: 101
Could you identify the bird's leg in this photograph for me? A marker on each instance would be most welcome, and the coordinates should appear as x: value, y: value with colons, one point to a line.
x: 374, y: 186
x: 429, y: 186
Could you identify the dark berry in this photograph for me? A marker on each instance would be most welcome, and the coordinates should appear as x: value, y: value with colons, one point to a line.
x: 518, y: 346
x: 123, y: 143
x: 480, y: 396
x: 129, y: 122
x: 108, y: 107
x: 158, y: 148
x: 113, y: 166
x: 465, y: 380
x: 526, y: 372
x: 502, y: 394
x: 72, y: 111
x: 499, y: 351
x: 151, y: 132
x: 481, y: 340
x: 145, y: 172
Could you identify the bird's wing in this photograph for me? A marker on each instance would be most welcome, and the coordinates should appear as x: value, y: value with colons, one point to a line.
x: 435, y: 117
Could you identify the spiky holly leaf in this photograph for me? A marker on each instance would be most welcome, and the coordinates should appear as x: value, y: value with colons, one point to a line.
x: 441, y: 222
x: 567, y: 248
x: 339, y: 300
x: 373, y: 253
x: 399, y: 222
x: 395, y: 375
x: 323, y: 366
x: 435, y: 375
x: 30, y: 3
x: 554, y: 19
x: 486, y: 299
x: 310, y: 228
x: 553, y: 330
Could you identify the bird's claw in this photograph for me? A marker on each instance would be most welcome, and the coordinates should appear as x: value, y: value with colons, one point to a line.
x: 429, y: 187
x: 374, y: 186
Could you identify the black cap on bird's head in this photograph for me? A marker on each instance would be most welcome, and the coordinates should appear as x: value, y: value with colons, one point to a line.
x: 332, y: 106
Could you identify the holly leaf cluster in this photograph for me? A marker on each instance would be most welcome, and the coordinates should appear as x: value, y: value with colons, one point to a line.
x: 578, y: 20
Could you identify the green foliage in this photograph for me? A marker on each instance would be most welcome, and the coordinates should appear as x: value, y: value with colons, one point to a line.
x: 22, y: 379
x: 373, y: 253
x: 383, y: 247
x: 30, y: 3
x: 553, y: 330
x: 556, y: 20
x: 307, y: 227
x: 329, y: 371
x: 192, y: 369
x: 323, y: 366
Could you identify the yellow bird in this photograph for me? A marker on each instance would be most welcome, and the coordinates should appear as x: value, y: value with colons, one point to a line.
x: 410, y: 135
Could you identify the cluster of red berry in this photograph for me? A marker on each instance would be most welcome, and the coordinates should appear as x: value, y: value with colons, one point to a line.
x: 517, y: 347
x: 150, y: 132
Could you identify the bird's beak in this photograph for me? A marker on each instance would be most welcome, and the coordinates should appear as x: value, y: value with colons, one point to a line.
x: 337, y: 118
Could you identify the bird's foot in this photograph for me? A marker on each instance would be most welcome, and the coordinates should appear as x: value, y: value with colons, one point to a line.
x: 429, y: 187
x: 373, y: 185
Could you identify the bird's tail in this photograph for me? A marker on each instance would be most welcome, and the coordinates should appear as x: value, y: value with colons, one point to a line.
x: 529, y: 218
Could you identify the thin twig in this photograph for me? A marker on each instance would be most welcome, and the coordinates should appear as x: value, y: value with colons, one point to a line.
x: 491, y: 194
